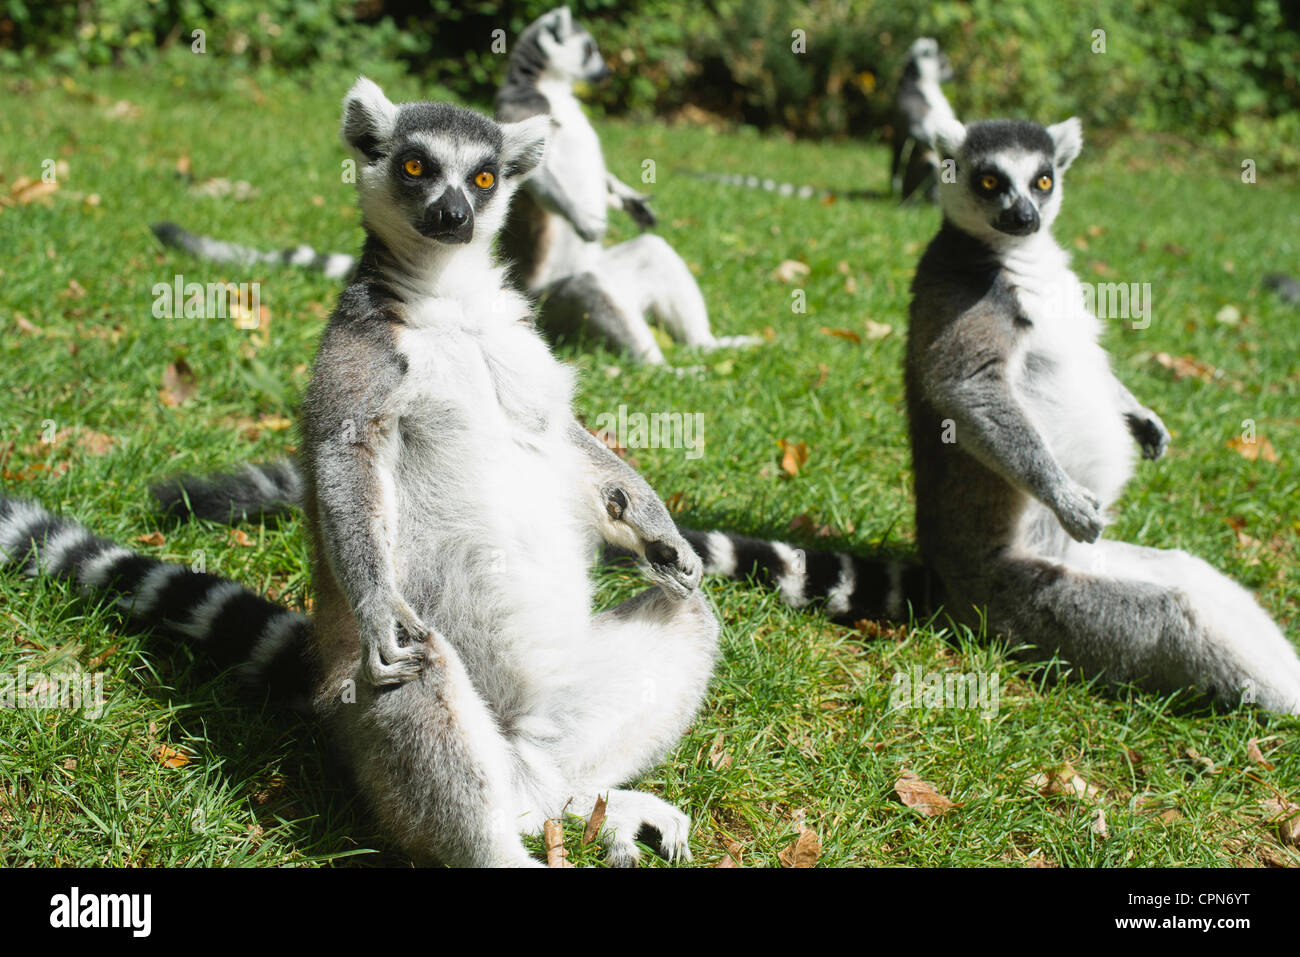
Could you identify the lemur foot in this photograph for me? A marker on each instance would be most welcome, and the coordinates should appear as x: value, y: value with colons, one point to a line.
x: 1079, y: 511
x: 634, y: 815
x: 394, y: 652
x: 674, y: 567
x: 1150, y: 433
x: 638, y: 207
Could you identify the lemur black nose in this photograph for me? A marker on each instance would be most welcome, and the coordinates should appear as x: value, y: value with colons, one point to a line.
x: 450, y: 218
x: 1020, y: 219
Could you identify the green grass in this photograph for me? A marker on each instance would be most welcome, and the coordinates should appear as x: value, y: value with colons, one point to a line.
x: 799, y: 709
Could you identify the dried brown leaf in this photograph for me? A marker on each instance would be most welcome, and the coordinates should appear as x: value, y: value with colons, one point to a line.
x: 1186, y: 367
x: 553, y: 833
x: 595, y: 821
x: 790, y: 270
x: 848, y: 334
x: 794, y: 456
x: 179, y: 383
x: 1256, y: 755
x: 921, y: 796
x: 804, y: 849
x: 170, y: 757
x: 153, y: 538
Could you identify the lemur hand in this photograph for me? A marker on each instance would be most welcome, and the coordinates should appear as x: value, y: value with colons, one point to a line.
x: 393, y: 646
x: 1079, y: 511
x: 665, y: 556
x: 1149, y: 433
x: 638, y: 207
x: 590, y: 228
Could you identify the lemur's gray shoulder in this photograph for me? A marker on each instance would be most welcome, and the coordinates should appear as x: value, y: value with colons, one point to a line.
x: 960, y: 276
x: 358, y: 363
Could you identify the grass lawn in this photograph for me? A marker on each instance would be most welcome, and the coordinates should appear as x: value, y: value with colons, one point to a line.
x: 798, y: 723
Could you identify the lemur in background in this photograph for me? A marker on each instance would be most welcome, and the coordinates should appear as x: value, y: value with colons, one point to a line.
x: 454, y: 505
x: 555, y: 228
x: 920, y: 108
x: 556, y: 224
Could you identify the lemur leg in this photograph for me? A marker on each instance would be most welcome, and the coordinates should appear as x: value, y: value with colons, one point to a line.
x: 659, y: 282
x: 431, y: 759
x: 1161, y: 620
x: 636, y: 690
x: 586, y: 302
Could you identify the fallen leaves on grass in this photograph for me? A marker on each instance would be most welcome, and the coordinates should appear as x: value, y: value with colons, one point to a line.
x: 804, y: 849
x: 1186, y: 367
x: 595, y: 821
x: 179, y: 384
x: 170, y: 757
x: 847, y: 334
x: 718, y: 757
x: 1260, y: 448
x: 1286, y: 816
x: 921, y: 796
x: 1064, y: 780
x: 877, y: 330
x: 1256, y: 755
x: 805, y: 524
x: 553, y: 833
x: 790, y: 270
x: 26, y: 190
x: 240, y: 537
x: 153, y: 538
x: 794, y: 455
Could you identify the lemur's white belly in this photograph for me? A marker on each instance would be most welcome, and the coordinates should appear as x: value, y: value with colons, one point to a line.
x: 1063, y: 376
x: 491, y: 547
x: 575, y: 159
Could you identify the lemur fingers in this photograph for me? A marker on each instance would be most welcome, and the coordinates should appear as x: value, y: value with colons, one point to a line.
x: 1079, y: 511
x: 666, y: 557
x: 394, y: 651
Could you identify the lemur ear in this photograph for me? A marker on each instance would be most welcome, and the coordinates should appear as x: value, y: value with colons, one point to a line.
x: 948, y: 137
x: 525, y: 144
x: 563, y: 22
x: 368, y: 119
x: 1067, y: 137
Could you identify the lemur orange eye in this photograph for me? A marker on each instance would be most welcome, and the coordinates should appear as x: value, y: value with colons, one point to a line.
x: 988, y: 181
x: 484, y: 180
x: 1044, y: 183
x: 413, y: 167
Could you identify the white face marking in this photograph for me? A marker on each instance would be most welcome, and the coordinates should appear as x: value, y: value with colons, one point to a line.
x: 1017, y: 171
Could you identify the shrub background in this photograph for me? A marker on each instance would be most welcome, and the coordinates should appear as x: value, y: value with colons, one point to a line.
x: 1227, y: 69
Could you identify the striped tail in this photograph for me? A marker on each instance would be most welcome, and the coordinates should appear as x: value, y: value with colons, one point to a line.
x: 848, y: 587
x: 784, y: 189
x: 256, y: 491
x: 229, y: 625
x: 333, y: 265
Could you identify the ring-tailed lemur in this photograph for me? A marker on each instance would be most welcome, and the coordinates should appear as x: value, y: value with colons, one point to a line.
x: 556, y: 224
x: 1022, y: 437
x: 920, y: 108
x: 454, y: 505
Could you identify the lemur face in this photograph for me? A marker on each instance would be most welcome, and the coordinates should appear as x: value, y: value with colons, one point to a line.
x: 570, y: 50
x: 1008, y: 176
x: 433, y: 172
x: 931, y: 64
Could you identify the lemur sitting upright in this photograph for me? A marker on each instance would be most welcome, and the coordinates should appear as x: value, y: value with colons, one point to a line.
x: 557, y: 223
x: 1022, y: 437
x: 920, y: 108
x: 454, y: 505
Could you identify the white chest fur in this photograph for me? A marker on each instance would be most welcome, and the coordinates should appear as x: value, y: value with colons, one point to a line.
x: 1062, y: 375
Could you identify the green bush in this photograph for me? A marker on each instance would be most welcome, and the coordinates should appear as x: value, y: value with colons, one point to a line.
x: 1227, y: 69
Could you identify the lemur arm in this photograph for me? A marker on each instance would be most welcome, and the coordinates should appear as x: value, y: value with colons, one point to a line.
x: 629, y: 514
x: 352, y: 435
x: 964, y: 378
x: 547, y: 190
x: 1143, y: 424
x: 624, y: 197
